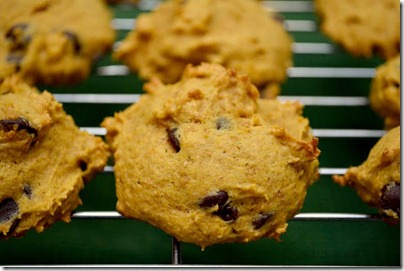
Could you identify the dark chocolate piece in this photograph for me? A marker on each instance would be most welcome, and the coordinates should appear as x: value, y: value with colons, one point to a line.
x: 8, y: 210
x: 217, y: 198
x: 390, y: 199
x: 227, y: 212
x: 261, y: 219
x: 19, y: 124
x: 173, y: 138
x: 223, y: 123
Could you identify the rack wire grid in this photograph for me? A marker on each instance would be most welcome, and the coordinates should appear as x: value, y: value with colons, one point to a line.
x: 334, y: 228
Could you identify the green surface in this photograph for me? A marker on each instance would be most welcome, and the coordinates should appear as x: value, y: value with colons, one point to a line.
x: 122, y: 241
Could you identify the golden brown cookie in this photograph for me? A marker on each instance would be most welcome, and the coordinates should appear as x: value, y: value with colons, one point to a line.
x: 239, y: 34
x: 362, y: 27
x: 385, y: 92
x: 53, y: 41
x: 44, y: 159
x: 208, y: 162
x: 377, y: 180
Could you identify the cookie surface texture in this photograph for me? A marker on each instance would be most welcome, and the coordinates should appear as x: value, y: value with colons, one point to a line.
x: 239, y: 34
x: 385, y: 92
x: 45, y: 159
x: 362, y: 27
x: 208, y: 162
x: 377, y: 180
x: 53, y: 41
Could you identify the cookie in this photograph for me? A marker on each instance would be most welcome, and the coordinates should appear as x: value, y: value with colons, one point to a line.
x: 53, y: 41
x: 384, y: 96
x: 363, y: 27
x: 377, y: 180
x: 226, y: 32
x: 45, y: 159
x: 208, y: 162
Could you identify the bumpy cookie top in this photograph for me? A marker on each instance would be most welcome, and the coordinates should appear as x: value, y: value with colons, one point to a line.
x: 377, y: 180
x: 238, y: 34
x: 208, y: 162
x: 385, y: 92
x: 44, y: 159
x: 362, y: 27
x: 52, y: 41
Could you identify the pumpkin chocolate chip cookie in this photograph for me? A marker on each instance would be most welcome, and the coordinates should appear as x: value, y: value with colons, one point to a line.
x: 238, y: 34
x: 44, y: 159
x: 377, y: 180
x: 52, y: 41
x: 385, y: 92
x: 362, y: 27
x: 209, y: 162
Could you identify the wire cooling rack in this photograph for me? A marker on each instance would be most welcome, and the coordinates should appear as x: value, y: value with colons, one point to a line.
x: 331, y: 84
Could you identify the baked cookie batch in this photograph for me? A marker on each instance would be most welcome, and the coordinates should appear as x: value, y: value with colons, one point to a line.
x: 208, y: 154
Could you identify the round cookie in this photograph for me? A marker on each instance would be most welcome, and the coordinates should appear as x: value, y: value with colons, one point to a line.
x: 208, y: 162
x: 53, y: 41
x: 385, y: 92
x: 238, y: 34
x: 44, y: 159
x: 362, y: 27
x: 377, y: 180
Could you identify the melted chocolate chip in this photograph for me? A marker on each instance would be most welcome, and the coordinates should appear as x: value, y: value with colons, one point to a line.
x: 174, y: 139
x: 227, y: 212
x: 8, y: 210
x: 74, y: 39
x: 261, y: 219
x: 223, y: 123
x: 19, y: 124
x: 217, y: 198
x: 390, y: 199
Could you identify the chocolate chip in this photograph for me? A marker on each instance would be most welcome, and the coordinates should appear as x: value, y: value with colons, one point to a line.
x: 83, y: 165
x: 227, y: 212
x: 223, y: 123
x: 216, y: 198
x: 8, y: 210
x: 13, y: 226
x: 174, y: 139
x: 74, y: 39
x: 261, y: 219
x: 27, y: 190
x: 19, y: 124
x: 390, y: 199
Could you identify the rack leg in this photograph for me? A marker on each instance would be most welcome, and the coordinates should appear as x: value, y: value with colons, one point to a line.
x: 176, y: 251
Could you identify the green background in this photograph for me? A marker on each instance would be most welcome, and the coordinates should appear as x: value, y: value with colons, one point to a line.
x: 329, y: 243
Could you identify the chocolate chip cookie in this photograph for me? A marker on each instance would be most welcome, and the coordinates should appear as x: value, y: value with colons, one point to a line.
x: 363, y: 27
x: 44, y: 159
x: 209, y: 162
x: 53, y: 41
x: 377, y: 180
x: 385, y: 92
x: 239, y: 34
